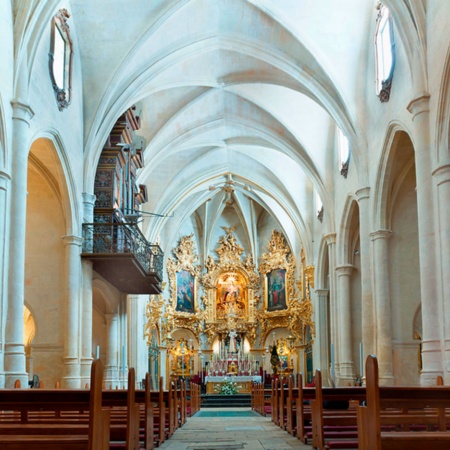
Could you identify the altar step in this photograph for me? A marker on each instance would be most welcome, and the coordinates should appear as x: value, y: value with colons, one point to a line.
x: 225, y: 401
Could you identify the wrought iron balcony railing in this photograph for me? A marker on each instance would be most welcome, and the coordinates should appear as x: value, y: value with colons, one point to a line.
x: 122, y: 238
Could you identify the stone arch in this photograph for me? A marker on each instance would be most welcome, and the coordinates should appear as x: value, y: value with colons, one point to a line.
x: 443, y: 118
x: 322, y: 271
x: 389, y: 170
x: 348, y: 230
x: 49, y: 224
x: 395, y: 210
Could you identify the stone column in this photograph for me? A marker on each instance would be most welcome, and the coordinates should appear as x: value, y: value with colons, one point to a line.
x: 86, y: 313
x: 123, y: 324
x: 322, y: 355
x: 14, y: 348
x: 112, y: 351
x: 334, y: 317
x: 137, y: 347
x: 431, y: 319
x: 367, y: 307
x: 4, y: 185
x: 442, y: 177
x: 71, y: 358
x: 383, y: 310
x: 345, y: 326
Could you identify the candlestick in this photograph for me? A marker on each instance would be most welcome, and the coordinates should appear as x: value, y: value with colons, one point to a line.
x: 97, y: 352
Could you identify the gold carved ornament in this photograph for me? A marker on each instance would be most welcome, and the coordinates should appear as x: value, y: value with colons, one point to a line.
x: 153, y: 314
x: 229, y: 265
x: 185, y: 259
x: 298, y: 313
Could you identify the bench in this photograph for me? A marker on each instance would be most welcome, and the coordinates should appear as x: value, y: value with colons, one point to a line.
x: 25, y: 428
x: 417, y: 416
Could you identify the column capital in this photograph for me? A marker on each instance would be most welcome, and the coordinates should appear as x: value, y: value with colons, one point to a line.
x: 345, y: 269
x: 4, y: 180
x: 72, y: 240
x: 419, y: 105
x: 22, y: 110
x: 380, y: 234
x: 322, y: 292
x: 330, y: 238
x: 442, y: 173
x: 111, y: 316
x: 363, y: 193
x: 88, y: 198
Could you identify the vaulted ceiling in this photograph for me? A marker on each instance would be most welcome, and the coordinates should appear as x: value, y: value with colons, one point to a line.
x: 239, y: 102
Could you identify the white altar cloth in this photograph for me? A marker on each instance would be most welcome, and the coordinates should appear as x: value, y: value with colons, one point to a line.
x: 236, y: 378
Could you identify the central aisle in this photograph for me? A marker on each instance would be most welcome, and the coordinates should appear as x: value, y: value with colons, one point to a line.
x: 231, y: 429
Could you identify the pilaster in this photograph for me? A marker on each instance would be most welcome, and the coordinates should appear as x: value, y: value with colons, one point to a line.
x: 346, y: 365
x: 72, y: 378
x: 15, y: 365
x: 442, y: 179
x: 383, y: 312
x: 112, y: 350
x: 367, y: 307
x: 322, y: 356
x: 431, y: 301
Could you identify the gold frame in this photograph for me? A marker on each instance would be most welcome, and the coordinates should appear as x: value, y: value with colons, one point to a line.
x: 185, y: 258
x: 298, y: 313
x: 278, y: 258
x: 230, y: 253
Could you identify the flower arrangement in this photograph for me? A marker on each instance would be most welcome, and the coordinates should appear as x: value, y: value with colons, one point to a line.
x: 227, y: 388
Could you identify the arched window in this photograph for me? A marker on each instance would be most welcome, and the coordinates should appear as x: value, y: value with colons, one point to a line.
x: 319, y: 207
x: 344, y: 153
x: 384, y: 53
x: 60, y: 59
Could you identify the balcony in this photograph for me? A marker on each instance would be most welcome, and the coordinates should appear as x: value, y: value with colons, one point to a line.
x: 121, y: 254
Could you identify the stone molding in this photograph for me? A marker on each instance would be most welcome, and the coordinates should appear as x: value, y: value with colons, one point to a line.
x: 419, y: 105
x: 22, y: 111
x: 380, y: 234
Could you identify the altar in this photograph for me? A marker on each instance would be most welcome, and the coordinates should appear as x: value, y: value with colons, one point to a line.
x: 243, y: 382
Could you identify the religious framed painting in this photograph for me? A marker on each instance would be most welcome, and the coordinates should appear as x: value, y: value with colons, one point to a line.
x: 277, y: 269
x: 276, y: 290
x: 183, y: 278
x: 185, y: 292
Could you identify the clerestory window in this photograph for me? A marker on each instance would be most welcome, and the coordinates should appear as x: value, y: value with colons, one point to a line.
x: 344, y: 153
x: 319, y: 207
x: 60, y: 59
x: 384, y: 53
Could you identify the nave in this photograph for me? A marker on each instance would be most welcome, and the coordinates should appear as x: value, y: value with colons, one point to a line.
x: 231, y: 429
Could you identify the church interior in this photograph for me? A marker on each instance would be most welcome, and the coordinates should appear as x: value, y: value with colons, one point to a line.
x: 203, y: 189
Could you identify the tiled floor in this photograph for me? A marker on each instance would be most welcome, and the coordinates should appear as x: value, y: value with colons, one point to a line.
x: 225, y: 429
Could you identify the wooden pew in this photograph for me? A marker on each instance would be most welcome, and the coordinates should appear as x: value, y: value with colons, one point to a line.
x: 402, y: 407
x: 334, y: 428
x: 34, y: 434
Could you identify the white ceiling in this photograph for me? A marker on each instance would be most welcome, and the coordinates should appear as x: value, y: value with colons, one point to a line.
x: 251, y: 88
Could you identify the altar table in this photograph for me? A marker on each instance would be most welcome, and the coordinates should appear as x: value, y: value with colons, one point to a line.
x: 243, y: 382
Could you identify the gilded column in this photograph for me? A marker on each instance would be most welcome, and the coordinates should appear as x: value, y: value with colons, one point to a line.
x: 367, y: 307
x: 442, y: 177
x: 86, y: 313
x: 383, y: 311
x: 322, y: 338
x: 112, y: 351
x: 346, y: 365
x: 14, y: 348
x: 431, y: 319
x: 4, y: 185
x: 72, y: 339
x: 334, y: 320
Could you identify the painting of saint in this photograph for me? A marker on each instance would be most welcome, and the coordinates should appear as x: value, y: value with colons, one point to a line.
x: 185, y: 292
x: 276, y: 290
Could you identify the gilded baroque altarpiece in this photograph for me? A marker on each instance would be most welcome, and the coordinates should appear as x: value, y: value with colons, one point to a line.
x: 231, y: 286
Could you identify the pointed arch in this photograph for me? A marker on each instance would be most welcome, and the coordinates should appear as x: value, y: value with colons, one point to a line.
x: 388, y: 173
x: 349, y: 228
x: 443, y: 115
